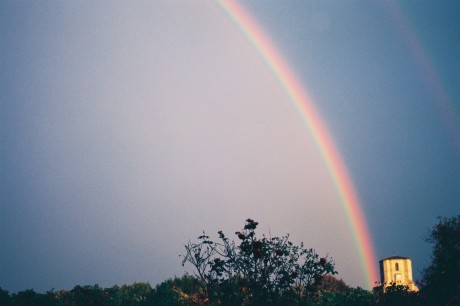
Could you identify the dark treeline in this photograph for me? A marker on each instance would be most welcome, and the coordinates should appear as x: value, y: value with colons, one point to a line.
x: 187, y: 290
x: 261, y: 271
x: 135, y: 294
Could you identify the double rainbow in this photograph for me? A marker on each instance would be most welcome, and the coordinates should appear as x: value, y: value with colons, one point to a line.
x: 304, y: 105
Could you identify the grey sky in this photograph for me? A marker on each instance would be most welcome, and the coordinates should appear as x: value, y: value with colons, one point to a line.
x: 127, y: 128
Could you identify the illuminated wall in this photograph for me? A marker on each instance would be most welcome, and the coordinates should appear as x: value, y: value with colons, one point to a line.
x: 397, y: 269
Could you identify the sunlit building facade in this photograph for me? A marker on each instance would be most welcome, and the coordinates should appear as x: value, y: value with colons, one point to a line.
x: 398, y: 270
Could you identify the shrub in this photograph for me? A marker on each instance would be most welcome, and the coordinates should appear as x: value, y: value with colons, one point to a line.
x: 255, y: 270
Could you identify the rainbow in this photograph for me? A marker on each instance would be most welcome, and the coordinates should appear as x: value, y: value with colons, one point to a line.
x: 427, y: 69
x: 310, y: 117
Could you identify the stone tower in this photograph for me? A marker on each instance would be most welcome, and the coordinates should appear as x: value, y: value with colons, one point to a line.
x: 396, y: 269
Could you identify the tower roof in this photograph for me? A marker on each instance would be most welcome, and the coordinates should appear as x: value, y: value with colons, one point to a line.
x: 394, y: 257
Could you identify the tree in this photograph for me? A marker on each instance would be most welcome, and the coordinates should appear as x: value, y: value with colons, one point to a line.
x: 178, y: 291
x: 256, y: 270
x: 137, y: 294
x: 29, y: 297
x: 5, y: 298
x: 396, y: 294
x: 441, y: 280
x: 331, y: 283
x: 350, y: 296
x: 87, y: 295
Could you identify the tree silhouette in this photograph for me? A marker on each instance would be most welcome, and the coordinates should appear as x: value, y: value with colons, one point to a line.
x: 256, y: 270
x: 441, y: 280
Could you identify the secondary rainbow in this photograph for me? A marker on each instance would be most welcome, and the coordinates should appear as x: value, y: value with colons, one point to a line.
x: 428, y: 70
x: 305, y: 107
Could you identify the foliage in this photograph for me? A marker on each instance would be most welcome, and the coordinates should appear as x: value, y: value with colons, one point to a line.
x: 441, y: 280
x: 30, y: 297
x: 5, y: 298
x: 330, y: 283
x: 349, y: 296
x: 138, y: 294
x: 177, y: 291
x: 87, y: 295
x: 396, y: 294
x: 257, y: 270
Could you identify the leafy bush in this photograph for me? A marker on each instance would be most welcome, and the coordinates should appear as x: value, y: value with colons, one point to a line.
x: 256, y: 270
x: 396, y: 294
x: 350, y: 296
x: 178, y: 291
x: 441, y: 280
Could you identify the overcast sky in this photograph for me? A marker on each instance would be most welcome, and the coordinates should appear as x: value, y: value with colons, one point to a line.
x: 129, y: 127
